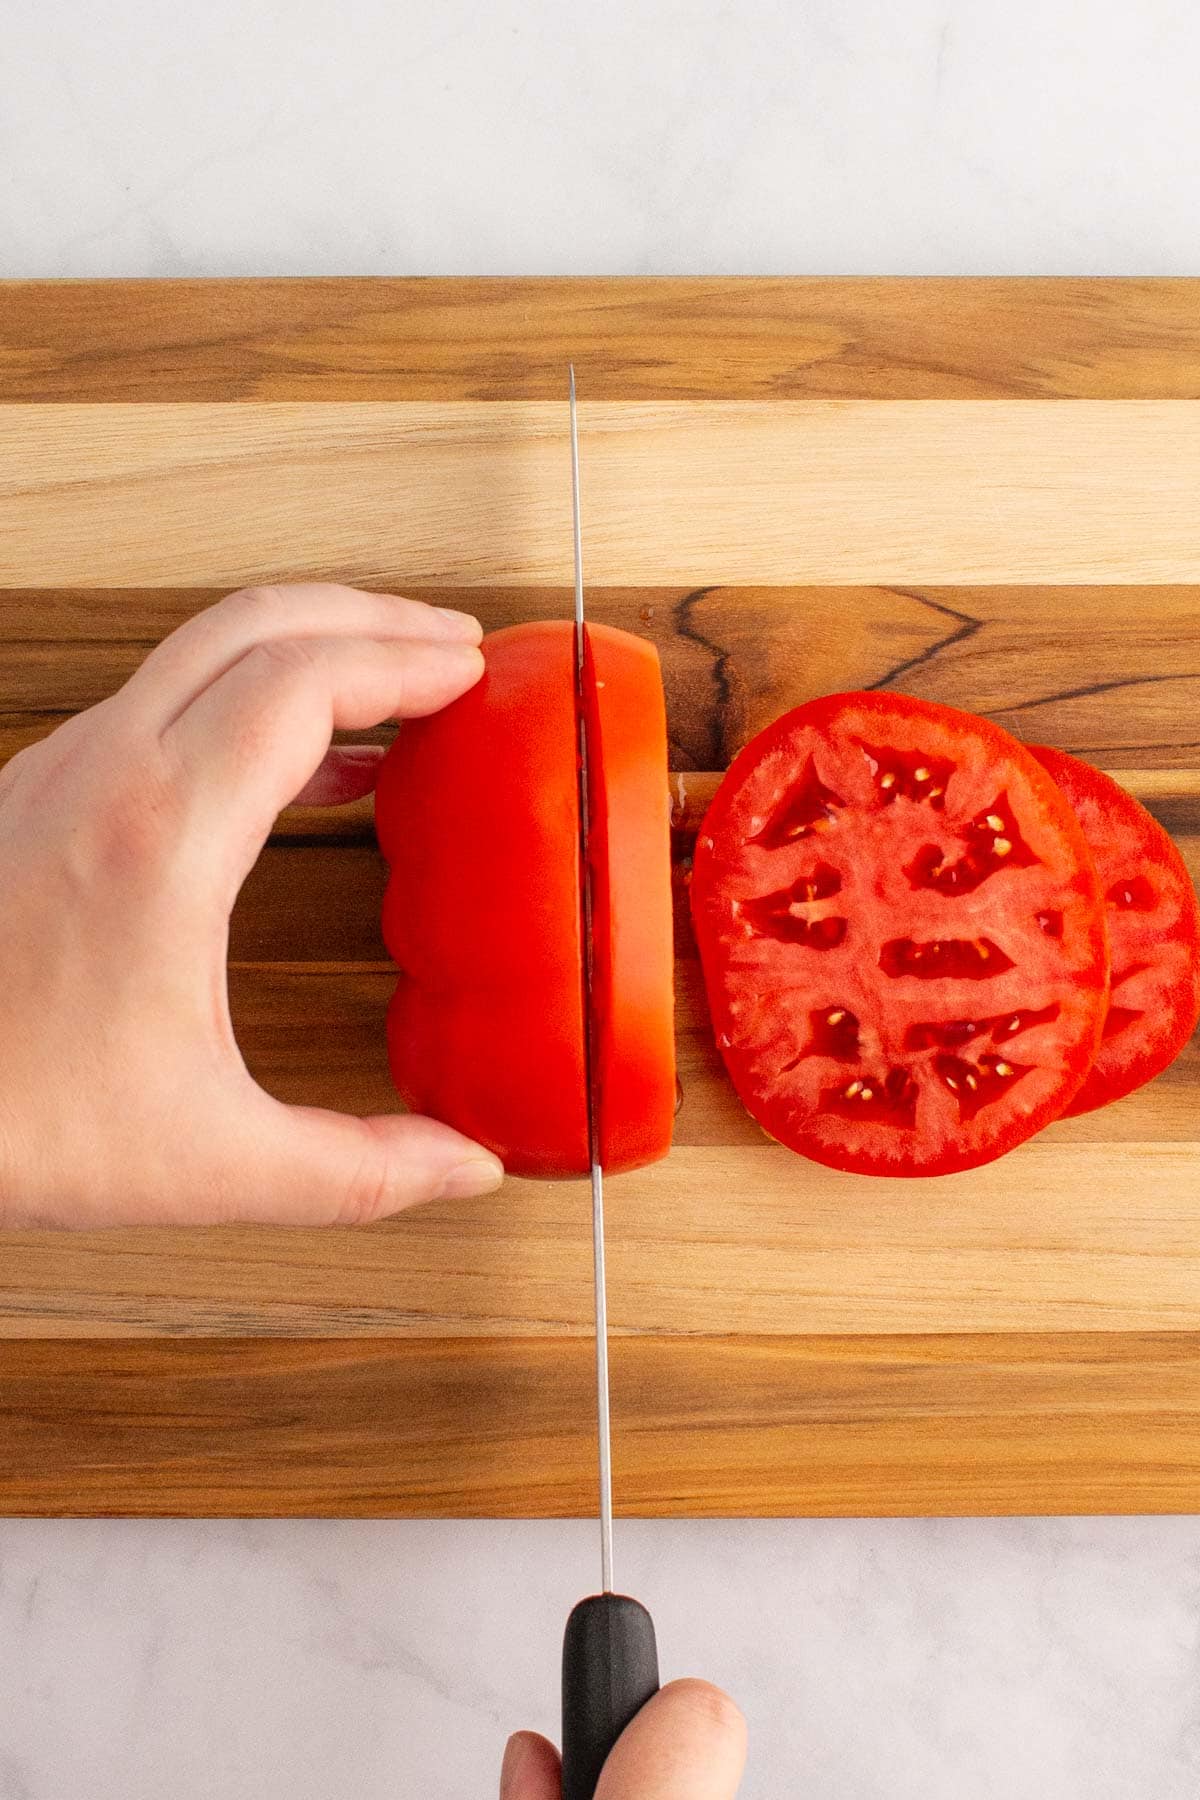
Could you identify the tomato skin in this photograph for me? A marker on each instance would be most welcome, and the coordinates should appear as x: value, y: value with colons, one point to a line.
x: 633, y: 917
x: 843, y: 847
x: 477, y: 812
x: 1154, y: 936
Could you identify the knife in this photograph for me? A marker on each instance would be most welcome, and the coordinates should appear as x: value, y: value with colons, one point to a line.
x: 610, y: 1658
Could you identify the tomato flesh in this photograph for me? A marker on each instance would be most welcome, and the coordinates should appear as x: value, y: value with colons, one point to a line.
x: 477, y: 812
x: 1153, y: 929
x: 902, y: 936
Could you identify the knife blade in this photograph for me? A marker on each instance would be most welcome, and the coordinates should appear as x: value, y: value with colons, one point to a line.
x: 610, y: 1657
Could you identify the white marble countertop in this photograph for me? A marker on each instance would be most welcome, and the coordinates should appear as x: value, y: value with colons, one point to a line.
x: 902, y: 1660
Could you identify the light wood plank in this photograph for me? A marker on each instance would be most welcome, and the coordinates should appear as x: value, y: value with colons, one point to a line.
x: 502, y: 1428
x: 474, y: 494
x: 1058, y: 1236
x: 313, y: 1035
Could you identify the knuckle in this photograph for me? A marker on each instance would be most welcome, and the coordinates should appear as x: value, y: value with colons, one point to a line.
x: 264, y: 606
x: 291, y: 658
x: 377, y: 1189
x: 134, y: 830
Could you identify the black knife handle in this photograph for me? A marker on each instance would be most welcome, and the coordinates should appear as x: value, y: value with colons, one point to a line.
x: 609, y: 1671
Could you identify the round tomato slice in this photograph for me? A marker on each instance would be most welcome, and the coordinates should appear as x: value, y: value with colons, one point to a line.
x: 1153, y: 932
x: 477, y: 811
x: 902, y: 936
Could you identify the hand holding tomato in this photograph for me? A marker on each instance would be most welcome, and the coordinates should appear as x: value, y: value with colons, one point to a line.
x: 124, y: 838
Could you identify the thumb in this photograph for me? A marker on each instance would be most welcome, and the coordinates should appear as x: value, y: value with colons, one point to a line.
x: 531, y: 1770
x: 305, y: 1165
x: 687, y: 1743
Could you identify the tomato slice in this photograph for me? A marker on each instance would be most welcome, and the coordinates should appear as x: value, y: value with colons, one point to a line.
x: 633, y: 932
x: 902, y: 936
x: 477, y: 811
x: 1153, y: 932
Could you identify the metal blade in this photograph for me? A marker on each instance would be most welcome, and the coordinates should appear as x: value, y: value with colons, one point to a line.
x: 602, y: 1405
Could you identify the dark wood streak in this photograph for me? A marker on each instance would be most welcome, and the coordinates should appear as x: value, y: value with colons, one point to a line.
x: 714, y: 752
x: 1093, y: 688
x: 966, y: 628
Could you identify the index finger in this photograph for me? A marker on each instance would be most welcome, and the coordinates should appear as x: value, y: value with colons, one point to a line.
x: 196, y: 654
x: 248, y: 743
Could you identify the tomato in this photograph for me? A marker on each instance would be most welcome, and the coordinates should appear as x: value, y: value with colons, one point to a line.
x: 902, y: 935
x: 477, y: 811
x: 633, y: 928
x: 1153, y: 932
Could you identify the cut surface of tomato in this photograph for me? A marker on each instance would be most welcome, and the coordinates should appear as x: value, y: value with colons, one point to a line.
x: 902, y: 936
x: 1153, y: 930
x: 477, y: 813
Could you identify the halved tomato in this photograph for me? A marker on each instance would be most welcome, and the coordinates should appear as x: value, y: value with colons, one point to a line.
x: 477, y: 811
x: 1153, y: 932
x: 902, y: 935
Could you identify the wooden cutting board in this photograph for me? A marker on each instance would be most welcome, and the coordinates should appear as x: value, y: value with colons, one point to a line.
x: 987, y: 493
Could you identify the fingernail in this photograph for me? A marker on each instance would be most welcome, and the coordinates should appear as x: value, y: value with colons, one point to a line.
x: 478, y: 1175
x: 515, y: 1752
x: 459, y: 624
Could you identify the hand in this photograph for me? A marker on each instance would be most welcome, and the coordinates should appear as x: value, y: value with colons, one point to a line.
x: 124, y: 838
x: 687, y: 1743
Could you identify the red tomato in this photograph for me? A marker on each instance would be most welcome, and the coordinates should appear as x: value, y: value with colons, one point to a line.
x: 1153, y: 932
x: 632, y: 922
x: 902, y: 936
x: 477, y: 810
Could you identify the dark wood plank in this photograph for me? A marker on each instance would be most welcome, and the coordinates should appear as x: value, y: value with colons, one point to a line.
x: 630, y: 338
x: 1046, y: 1423
x: 1125, y: 693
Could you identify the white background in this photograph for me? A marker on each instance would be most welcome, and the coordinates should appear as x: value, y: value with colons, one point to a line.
x: 904, y: 1660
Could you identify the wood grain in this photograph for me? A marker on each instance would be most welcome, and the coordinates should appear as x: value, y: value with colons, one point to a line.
x: 312, y: 1034
x: 475, y: 493
x: 630, y: 339
x: 1125, y: 693
x: 501, y: 1428
x: 981, y: 492
x: 721, y: 1238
